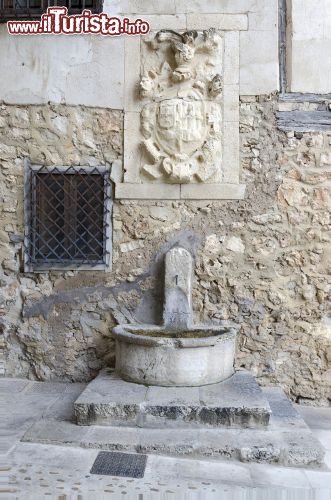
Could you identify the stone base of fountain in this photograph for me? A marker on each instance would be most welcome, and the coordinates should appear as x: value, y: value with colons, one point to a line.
x: 174, y: 391
x: 236, y: 402
x: 234, y: 419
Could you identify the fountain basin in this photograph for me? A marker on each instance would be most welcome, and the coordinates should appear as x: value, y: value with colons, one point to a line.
x: 156, y: 355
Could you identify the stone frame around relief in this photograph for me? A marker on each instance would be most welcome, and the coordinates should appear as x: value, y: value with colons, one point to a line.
x: 134, y: 185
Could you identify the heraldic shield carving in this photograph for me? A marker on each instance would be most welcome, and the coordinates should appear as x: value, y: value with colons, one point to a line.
x: 182, y: 122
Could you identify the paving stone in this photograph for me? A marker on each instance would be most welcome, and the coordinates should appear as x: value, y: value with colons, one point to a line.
x: 75, y: 388
x: 327, y: 459
x: 63, y: 457
x: 278, y: 476
x: 167, y: 478
x: 6, y: 444
x: 287, y: 441
x: 324, y: 436
x: 202, y: 470
x: 319, y: 479
x: 283, y: 412
x: 316, y: 418
x: 109, y: 386
x: 230, y: 473
x: 31, y: 405
x: 62, y: 408
x: 291, y: 448
x: 10, y: 386
x: 52, y: 431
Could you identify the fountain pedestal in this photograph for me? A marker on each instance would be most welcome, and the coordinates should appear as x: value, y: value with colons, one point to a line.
x: 236, y: 402
x: 234, y: 419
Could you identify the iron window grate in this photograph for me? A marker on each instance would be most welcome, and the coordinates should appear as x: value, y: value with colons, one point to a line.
x: 67, y: 217
x: 27, y: 9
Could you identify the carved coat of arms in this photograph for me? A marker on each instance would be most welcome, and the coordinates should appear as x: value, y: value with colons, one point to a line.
x: 181, y: 123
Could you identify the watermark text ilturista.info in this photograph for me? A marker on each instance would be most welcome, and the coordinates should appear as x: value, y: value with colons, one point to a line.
x: 56, y: 21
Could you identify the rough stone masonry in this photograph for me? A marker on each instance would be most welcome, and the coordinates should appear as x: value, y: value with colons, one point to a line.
x: 263, y: 262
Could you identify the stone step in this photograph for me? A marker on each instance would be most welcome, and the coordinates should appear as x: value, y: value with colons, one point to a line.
x: 236, y: 402
x: 286, y: 441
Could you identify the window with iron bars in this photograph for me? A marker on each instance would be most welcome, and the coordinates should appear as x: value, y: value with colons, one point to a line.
x: 67, y: 217
x: 33, y: 9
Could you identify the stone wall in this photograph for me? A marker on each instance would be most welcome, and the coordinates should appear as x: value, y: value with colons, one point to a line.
x: 262, y: 262
x: 40, y: 345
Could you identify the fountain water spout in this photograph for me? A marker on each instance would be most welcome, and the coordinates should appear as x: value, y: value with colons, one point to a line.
x: 177, y: 309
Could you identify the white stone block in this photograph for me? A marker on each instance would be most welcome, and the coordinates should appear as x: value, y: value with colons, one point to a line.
x: 215, y: 6
x: 231, y: 164
x: 308, y: 19
x: 310, y: 43
x: 231, y: 98
x: 327, y: 19
x: 116, y: 174
x: 112, y: 7
x: 132, y: 73
x: 132, y: 150
x: 315, y: 55
x: 259, y: 68
x: 159, y: 22
x: 70, y: 69
x: 148, y: 7
x: 263, y: 16
x: 229, y: 22
x: 231, y: 58
x: 147, y: 191
x: 212, y: 191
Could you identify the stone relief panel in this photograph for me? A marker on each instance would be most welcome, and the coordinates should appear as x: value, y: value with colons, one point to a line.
x: 182, y: 121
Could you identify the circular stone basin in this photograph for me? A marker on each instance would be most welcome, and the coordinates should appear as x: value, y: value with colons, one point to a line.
x: 154, y: 355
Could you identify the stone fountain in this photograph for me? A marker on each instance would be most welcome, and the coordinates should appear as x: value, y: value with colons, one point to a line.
x: 174, y: 389
x: 178, y: 353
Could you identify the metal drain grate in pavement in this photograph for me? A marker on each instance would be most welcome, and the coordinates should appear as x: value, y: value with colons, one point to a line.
x: 111, y: 463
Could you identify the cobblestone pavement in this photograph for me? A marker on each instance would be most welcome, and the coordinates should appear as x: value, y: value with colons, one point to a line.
x: 38, y: 471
